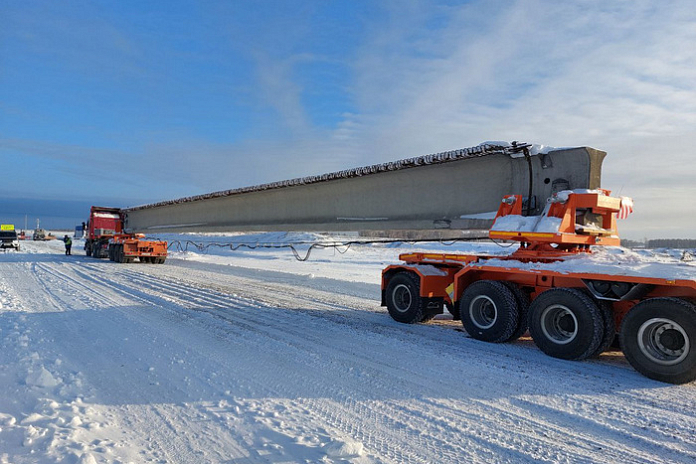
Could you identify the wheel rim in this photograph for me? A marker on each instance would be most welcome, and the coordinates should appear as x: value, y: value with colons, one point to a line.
x: 663, y: 341
x: 483, y: 312
x: 402, y: 298
x: 559, y: 324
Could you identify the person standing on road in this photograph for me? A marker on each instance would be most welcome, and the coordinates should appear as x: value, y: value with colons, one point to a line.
x: 68, y: 244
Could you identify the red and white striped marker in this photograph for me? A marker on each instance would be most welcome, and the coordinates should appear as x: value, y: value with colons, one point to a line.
x: 626, y: 208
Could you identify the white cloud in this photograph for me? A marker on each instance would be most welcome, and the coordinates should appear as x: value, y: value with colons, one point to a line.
x: 615, y: 76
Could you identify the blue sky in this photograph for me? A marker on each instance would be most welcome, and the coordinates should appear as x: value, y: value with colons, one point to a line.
x: 122, y: 103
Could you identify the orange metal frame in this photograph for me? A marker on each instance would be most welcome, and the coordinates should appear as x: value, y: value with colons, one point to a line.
x: 134, y: 246
x: 570, y: 237
x: 462, y: 270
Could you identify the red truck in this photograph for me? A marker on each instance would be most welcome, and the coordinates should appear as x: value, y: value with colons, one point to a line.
x: 105, y: 237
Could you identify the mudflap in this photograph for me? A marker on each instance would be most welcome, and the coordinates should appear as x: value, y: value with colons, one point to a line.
x: 434, y: 306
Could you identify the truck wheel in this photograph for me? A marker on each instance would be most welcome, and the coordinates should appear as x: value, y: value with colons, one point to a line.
x: 566, y: 323
x: 609, y: 333
x: 489, y: 311
x: 454, y: 311
x: 119, y: 254
x: 161, y: 260
x: 658, y: 336
x: 522, y: 300
x: 403, y: 298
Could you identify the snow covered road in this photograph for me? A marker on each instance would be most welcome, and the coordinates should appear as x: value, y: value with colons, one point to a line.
x: 271, y: 361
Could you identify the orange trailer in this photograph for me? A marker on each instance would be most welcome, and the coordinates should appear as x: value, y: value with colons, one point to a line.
x: 569, y: 315
x: 125, y: 248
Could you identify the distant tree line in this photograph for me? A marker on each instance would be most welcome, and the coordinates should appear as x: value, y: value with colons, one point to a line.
x: 660, y: 243
x: 632, y: 243
x: 671, y: 243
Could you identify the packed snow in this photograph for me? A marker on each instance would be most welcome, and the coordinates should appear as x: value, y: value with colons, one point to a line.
x: 250, y: 356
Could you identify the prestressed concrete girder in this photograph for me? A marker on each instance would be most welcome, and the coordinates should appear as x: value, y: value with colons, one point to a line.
x: 415, y: 196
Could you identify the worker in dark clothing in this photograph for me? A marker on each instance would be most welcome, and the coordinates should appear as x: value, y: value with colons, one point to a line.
x: 68, y: 244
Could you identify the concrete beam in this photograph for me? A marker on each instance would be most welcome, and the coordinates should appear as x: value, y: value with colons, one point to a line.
x: 423, y: 196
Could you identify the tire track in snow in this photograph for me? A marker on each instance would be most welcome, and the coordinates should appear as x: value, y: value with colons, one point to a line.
x: 176, y: 291
x: 280, y: 335
x: 162, y: 439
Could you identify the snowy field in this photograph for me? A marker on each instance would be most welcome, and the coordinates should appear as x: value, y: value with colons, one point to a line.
x: 250, y: 356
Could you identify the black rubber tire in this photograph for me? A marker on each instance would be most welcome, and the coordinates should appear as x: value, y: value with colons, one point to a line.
x: 403, y: 298
x: 119, y: 254
x: 96, y: 250
x: 522, y: 299
x: 609, y: 331
x: 454, y: 311
x: 111, y: 252
x: 658, y: 338
x: 489, y: 311
x: 566, y: 323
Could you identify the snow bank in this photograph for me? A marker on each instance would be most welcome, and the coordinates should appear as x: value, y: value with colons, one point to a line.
x: 41, y: 377
x: 344, y: 449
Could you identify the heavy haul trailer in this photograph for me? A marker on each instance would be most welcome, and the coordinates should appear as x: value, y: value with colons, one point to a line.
x: 125, y: 248
x: 106, y: 238
x: 569, y: 314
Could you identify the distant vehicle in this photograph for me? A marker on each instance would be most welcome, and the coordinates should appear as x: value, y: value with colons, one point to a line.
x: 39, y: 234
x: 106, y: 238
x: 8, y: 237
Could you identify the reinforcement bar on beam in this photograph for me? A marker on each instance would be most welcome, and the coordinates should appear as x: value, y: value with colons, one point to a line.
x: 440, y: 191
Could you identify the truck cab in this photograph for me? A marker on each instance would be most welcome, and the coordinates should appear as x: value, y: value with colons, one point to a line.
x: 103, y: 224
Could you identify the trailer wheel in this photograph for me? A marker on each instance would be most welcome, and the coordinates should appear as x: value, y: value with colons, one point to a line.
x: 489, y: 311
x: 658, y: 336
x: 403, y: 299
x: 609, y: 334
x: 566, y: 323
x: 96, y: 250
x: 454, y: 311
x: 119, y: 254
x: 522, y: 300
